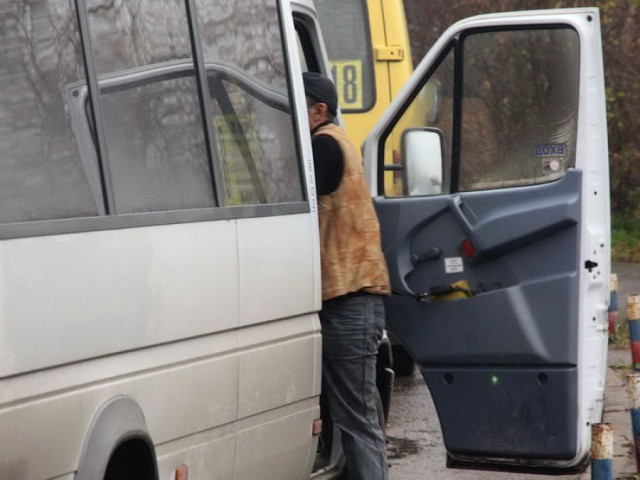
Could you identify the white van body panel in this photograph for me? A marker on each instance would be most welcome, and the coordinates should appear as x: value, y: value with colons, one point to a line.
x: 203, y: 373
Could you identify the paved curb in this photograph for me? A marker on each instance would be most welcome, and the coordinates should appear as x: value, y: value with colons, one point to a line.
x: 616, y: 407
x: 616, y: 411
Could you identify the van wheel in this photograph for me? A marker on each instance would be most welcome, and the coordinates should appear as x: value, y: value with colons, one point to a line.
x: 403, y: 364
x: 131, y: 461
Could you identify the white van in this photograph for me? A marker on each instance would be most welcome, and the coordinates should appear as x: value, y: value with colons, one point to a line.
x: 159, y: 257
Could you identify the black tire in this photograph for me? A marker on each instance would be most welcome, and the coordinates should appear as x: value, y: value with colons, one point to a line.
x: 131, y: 461
x: 403, y: 364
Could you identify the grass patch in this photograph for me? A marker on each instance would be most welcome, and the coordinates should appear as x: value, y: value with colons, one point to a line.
x: 620, y: 336
x: 625, y: 238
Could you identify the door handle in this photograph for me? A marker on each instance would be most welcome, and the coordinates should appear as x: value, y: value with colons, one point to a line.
x: 431, y: 254
x: 456, y: 204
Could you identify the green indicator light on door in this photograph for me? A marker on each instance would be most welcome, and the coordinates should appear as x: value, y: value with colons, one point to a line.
x: 495, y: 380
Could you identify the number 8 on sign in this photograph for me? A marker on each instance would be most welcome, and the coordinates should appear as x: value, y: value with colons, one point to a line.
x: 347, y: 75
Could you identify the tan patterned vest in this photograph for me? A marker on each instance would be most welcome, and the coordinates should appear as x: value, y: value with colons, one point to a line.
x: 350, y: 250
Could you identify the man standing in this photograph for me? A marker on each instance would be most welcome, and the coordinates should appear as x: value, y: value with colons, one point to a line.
x: 354, y: 280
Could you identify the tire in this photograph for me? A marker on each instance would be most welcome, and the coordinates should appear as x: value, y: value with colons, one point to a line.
x: 403, y: 364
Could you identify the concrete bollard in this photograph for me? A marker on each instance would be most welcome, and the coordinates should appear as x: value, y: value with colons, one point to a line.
x: 613, y: 304
x: 633, y: 318
x: 633, y: 390
x: 601, y: 451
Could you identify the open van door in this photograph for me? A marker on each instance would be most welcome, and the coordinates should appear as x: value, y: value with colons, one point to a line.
x: 498, y: 249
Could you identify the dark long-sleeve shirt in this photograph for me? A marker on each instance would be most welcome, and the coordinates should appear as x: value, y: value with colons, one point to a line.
x: 327, y: 163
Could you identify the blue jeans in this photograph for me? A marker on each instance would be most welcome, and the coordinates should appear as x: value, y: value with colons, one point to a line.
x: 351, y: 330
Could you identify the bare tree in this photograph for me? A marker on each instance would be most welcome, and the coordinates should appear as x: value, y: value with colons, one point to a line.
x: 427, y: 20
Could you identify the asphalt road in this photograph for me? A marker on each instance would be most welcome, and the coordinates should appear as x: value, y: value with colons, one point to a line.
x: 415, y: 447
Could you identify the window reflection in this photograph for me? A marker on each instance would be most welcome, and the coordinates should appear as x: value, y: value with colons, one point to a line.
x: 256, y: 145
x: 43, y: 176
x: 154, y: 131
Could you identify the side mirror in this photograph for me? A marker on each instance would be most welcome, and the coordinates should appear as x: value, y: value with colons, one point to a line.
x: 422, y: 153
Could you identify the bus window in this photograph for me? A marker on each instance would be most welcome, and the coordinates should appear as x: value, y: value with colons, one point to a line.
x: 154, y: 131
x: 526, y: 105
x: 42, y: 173
x: 346, y: 34
x: 436, y: 99
x: 501, y: 115
x: 307, y: 44
x: 256, y: 146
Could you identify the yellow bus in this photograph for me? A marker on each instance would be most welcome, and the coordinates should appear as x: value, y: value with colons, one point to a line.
x: 368, y: 46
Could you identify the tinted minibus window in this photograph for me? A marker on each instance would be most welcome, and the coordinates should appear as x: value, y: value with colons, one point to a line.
x: 250, y: 102
x: 43, y: 176
x: 154, y: 130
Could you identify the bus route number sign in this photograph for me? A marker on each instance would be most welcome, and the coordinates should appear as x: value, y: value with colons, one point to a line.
x: 347, y: 75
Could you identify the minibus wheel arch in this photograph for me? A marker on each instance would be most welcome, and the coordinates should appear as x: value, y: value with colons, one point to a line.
x: 117, y: 433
